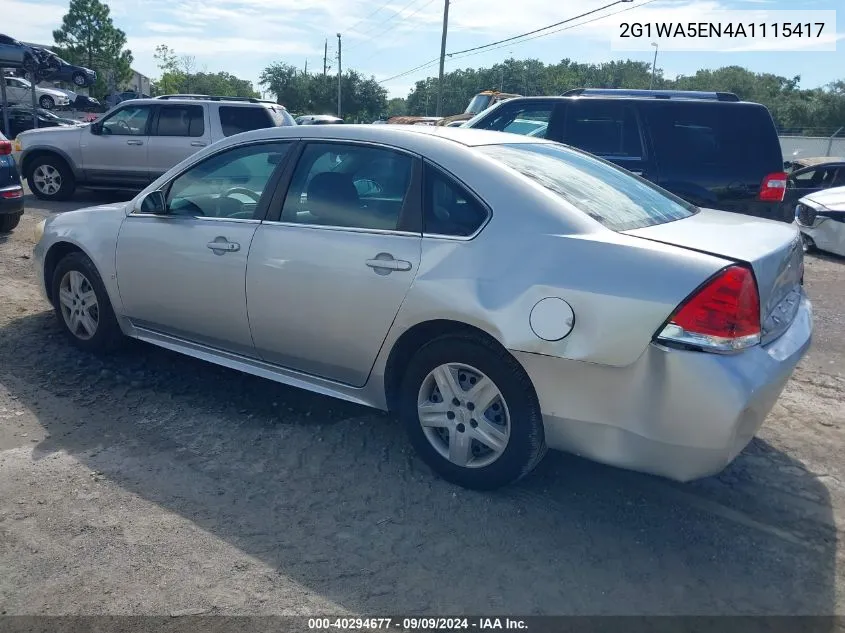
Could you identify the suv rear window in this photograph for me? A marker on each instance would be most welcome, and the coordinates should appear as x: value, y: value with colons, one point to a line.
x: 607, y: 193
x: 237, y: 119
x: 737, y: 137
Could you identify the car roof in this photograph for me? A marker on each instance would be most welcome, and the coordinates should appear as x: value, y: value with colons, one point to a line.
x: 196, y: 100
x: 399, y: 135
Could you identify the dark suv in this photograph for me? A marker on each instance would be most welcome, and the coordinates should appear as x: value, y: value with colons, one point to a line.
x: 709, y: 148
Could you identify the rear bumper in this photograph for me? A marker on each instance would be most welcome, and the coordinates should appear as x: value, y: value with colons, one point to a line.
x: 677, y: 414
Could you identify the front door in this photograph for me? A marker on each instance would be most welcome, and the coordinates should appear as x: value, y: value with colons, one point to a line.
x: 326, y: 281
x: 117, y: 153
x: 184, y: 273
x: 177, y: 132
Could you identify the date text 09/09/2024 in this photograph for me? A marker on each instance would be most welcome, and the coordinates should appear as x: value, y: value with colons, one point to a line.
x: 417, y: 624
x: 718, y: 29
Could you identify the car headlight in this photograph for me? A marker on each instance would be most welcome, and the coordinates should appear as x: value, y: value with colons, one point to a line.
x: 38, y: 231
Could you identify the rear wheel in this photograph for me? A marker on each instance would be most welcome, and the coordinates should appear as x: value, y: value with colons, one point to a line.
x: 79, y: 79
x: 9, y: 222
x: 50, y: 178
x: 471, y: 412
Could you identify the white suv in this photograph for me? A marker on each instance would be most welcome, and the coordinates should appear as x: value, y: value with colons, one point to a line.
x: 136, y: 142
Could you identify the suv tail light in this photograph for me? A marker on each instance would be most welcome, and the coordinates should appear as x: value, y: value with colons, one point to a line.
x: 723, y: 315
x: 773, y: 187
x: 5, y: 148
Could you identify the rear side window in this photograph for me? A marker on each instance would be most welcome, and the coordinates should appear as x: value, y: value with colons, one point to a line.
x: 603, y: 128
x: 182, y: 120
x: 607, y: 193
x: 449, y: 209
x: 237, y: 119
x: 734, y: 137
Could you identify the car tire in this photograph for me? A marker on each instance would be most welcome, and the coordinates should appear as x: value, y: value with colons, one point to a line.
x: 807, y: 243
x: 91, y: 325
x: 47, y: 102
x: 79, y: 79
x: 9, y: 222
x: 50, y: 178
x: 514, y: 412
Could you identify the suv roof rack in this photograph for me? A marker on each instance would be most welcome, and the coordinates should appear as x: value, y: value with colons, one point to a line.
x: 653, y: 94
x: 215, y: 98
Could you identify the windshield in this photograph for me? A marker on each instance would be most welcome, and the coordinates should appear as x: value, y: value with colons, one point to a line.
x: 478, y: 104
x: 607, y: 193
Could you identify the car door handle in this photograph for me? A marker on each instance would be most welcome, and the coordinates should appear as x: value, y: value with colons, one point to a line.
x: 134, y: 142
x: 197, y: 144
x: 223, y: 245
x: 385, y: 261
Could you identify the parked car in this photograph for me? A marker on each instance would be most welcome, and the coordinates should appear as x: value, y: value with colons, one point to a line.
x: 318, y: 119
x: 11, y: 191
x: 807, y: 180
x: 821, y: 219
x: 15, y: 54
x: 20, y: 120
x: 19, y: 90
x: 54, y: 68
x: 711, y: 149
x: 127, y: 95
x: 501, y: 293
x: 136, y: 142
x: 811, y: 161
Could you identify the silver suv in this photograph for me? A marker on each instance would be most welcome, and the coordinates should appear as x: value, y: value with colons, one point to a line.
x: 136, y: 142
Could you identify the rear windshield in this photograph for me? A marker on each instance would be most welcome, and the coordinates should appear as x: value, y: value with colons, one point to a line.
x: 237, y: 119
x: 607, y: 193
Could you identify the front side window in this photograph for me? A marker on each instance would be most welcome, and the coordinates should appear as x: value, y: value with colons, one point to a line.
x: 129, y: 121
x: 448, y: 208
x: 227, y: 185
x: 603, y: 128
x: 607, y: 193
x: 182, y: 120
x: 237, y: 119
x: 349, y: 186
x: 526, y: 118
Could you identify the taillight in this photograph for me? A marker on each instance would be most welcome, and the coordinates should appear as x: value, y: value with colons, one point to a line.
x: 721, y: 316
x: 773, y: 187
x: 5, y: 148
x: 17, y: 192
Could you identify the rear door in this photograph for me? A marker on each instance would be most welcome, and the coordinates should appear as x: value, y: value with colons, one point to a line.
x: 715, y: 154
x: 609, y: 129
x: 177, y: 131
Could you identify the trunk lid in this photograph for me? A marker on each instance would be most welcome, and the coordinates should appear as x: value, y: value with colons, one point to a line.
x: 773, y: 249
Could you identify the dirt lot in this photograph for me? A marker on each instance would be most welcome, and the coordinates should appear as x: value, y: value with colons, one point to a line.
x: 150, y: 483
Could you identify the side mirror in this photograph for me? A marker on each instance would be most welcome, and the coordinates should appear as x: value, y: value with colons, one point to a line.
x: 96, y: 128
x: 154, y: 202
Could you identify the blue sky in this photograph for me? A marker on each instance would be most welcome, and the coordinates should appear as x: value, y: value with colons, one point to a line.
x: 385, y: 39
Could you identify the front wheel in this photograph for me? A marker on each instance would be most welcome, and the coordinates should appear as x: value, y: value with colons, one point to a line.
x: 82, y: 304
x: 471, y: 412
x: 47, y: 102
x: 80, y: 80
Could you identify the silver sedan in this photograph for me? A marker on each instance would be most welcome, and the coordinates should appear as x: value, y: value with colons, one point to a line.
x: 501, y: 294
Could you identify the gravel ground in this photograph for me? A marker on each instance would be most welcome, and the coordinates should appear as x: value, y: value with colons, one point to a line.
x: 151, y: 483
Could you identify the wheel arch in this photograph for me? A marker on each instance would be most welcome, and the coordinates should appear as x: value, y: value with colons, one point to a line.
x: 56, y: 253
x: 411, y: 340
x: 33, y: 153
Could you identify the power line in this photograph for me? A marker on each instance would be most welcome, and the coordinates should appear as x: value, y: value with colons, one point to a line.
x: 509, y: 41
x: 408, y: 17
x: 385, y: 21
x: 550, y: 26
x: 368, y: 16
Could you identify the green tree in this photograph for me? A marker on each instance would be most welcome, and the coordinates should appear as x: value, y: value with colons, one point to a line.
x: 178, y: 77
x: 397, y: 107
x: 89, y: 38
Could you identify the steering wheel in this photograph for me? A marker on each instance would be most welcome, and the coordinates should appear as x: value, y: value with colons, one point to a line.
x: 255, y: 197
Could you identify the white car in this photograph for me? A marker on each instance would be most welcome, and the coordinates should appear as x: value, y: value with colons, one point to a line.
x: 821, y: 218
x: 18, y: 90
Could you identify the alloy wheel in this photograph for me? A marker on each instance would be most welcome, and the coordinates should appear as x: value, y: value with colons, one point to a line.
x: 79, y: 305
x: 47, y: 179
x: 464, y: 415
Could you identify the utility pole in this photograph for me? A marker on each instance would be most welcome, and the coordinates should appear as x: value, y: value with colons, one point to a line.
x: 439, y: 111
x: 653, y: 66
x: 339, y: 75
x: 306, y: 67
x: 325, y: 55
